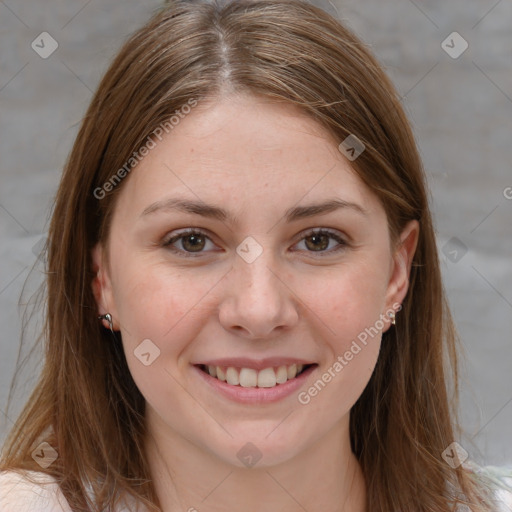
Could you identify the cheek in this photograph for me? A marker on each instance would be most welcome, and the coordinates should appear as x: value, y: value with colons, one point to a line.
x: 351, y: 301
x: 162, y: 304
x: 157, y: 316
x: 150, y: 295
x: 351, y: 333
x: 352, y: 311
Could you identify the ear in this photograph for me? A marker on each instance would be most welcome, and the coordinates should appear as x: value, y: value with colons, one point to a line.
x: 102, y: 285
x: 401, y: 265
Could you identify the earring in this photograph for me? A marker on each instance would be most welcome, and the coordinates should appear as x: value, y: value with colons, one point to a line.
x: 391, y: 315
x: 108, y: 318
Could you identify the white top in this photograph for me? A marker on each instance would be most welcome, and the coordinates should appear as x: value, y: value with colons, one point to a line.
x: 17, y: 494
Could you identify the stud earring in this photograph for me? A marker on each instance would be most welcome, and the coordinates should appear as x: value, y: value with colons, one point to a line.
x: 108, y: 318
x: 391, y: 315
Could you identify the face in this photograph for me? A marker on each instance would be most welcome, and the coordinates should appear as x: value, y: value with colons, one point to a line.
x: 261, y: 283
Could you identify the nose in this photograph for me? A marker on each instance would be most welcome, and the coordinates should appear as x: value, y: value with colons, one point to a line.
x: 259, y: 301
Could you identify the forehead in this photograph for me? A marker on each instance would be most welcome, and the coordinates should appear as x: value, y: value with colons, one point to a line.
x: 249, y: 149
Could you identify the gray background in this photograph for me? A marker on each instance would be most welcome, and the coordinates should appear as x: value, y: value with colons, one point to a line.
x: 460, y: 108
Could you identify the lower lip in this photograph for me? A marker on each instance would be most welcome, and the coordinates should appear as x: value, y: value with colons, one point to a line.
x: 256, y: 395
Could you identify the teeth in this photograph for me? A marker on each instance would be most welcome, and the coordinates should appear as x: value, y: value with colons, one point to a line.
x: 250, y: 378
x: 232, y: 376
x: 282, y: 375
x: 267, y: 378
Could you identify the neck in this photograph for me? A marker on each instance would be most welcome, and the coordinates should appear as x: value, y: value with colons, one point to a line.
x: 325, y: 476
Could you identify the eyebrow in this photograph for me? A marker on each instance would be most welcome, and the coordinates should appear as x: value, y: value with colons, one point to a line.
x: 216, y: 212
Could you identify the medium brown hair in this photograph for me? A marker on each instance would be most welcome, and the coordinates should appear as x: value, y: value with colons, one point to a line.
x: 86, y: 404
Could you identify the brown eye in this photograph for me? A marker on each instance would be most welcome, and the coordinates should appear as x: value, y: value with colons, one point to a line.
x: 187, y: 242
x: 318, y: 241
x: 193, y: 243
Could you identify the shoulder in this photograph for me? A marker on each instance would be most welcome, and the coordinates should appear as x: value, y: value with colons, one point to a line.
x: 26, y: 491
x: 501, y: 483
x: 498, y: 480
x: 29, y: 491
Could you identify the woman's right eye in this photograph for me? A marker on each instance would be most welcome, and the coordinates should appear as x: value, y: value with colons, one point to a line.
x: 192, y: 241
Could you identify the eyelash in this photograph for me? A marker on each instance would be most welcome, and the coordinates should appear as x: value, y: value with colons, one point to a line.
x: 197, y: 231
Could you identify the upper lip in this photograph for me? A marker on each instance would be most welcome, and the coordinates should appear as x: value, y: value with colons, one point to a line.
x: 255, y: 364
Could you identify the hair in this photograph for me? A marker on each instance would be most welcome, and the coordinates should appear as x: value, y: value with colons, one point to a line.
x: 86, y: 404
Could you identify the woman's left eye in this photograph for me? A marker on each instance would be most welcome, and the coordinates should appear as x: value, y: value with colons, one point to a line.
x: 319, y: 240
x: 193, y: 241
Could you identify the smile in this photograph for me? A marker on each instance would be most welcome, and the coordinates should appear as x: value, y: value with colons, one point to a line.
x: 251, y: 378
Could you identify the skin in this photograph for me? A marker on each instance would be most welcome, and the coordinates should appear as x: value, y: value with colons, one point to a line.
x: 255, y: 159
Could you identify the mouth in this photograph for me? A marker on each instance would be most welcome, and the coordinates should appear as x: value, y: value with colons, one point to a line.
x: 242, y: 377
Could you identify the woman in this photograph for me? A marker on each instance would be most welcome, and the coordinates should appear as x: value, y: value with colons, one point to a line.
x: 245, y: 307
